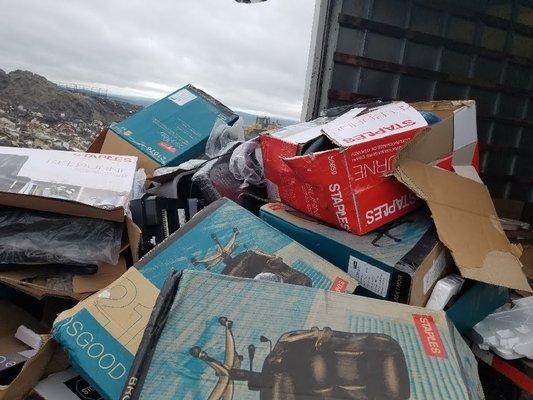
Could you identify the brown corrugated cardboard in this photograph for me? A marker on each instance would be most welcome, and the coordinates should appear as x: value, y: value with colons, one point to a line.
x: 106, y: 275
x: 462, y: 209
x: 11, y: 318
x: 33, y: 281
x: 108, y: 142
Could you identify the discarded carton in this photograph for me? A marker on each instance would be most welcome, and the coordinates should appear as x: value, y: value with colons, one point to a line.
x: 475, y: 301
x: 64, y: 385
x: 25, y: 375
x: 461, y: 206
x: 222, y: 238
x: 346, y: 184
x: 168, y: 132
x: 400, y: 261
x: 225, y: 238
x: 281, y: 342
x: 81, y: 184
x: 43, y: 281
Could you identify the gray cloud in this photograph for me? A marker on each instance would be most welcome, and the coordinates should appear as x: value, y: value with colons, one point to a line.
x: 248, y: 56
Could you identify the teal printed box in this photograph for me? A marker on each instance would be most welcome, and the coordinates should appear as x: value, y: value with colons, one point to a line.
x: 229, y: 338
x: 102, y: 333
x: 400, y: 261
x: 170, y: 131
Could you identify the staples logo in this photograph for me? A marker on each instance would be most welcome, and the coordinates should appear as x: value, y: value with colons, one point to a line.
x: 384, y: 210
x: 338, y: 204
x: 339, y: 285
x: 167, y: 147
x: 430, y: 336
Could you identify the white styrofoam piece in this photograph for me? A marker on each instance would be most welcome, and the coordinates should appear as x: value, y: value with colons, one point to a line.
x: 443, y: 291
x: 465, y: 127
x: 29, y: 337
x: 508, y: 332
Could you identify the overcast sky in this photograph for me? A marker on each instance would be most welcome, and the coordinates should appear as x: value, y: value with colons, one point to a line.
x: 249, y: 56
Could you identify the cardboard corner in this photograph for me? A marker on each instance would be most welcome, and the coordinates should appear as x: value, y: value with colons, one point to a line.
x: 111, y: 143
x: 106, y: 275
x: 465, y: 218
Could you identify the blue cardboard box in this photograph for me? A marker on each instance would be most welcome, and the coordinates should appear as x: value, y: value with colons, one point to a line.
x: 102, y: 333
x: 399, y: 262
x: 237, y: 339
x: 168, y: 132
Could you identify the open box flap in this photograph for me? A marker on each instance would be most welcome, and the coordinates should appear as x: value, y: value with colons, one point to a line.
x: 464, y: 215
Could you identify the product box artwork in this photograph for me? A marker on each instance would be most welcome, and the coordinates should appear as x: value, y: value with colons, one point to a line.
x: 307, y: 343
x: 98, y: 181
x: 223, y: 238
x: 339, y: 170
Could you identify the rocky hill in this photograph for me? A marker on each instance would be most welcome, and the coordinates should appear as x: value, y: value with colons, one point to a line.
x: 35, y: 112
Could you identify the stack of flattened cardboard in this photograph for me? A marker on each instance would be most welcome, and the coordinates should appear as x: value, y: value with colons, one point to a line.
x: 70, y: 189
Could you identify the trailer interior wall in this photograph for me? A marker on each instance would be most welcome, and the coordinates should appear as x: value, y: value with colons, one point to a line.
x: 430, y: 50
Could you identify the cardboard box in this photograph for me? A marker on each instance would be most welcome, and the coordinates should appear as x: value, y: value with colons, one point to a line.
x: 475, y: 302
x: 223, y: 238
x: 64, y: 385
x: 51, y: 181
x: 400, y: 261
x: 281, y: 342
x: 349, y: 185
x: 11, y: 318
x: 460, y: 204
x: 168, y: 132
x: 40, y: 282
x: 81, y: 184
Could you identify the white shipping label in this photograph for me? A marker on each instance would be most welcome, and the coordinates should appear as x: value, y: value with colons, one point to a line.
x: 439, y: 264
x: 369, y: 276
x: 182, y: 97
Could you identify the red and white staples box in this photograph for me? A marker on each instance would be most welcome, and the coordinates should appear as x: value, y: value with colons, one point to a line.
x: 339, y: 171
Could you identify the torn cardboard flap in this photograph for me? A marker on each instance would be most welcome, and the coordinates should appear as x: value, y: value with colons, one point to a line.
x: 465, y: 217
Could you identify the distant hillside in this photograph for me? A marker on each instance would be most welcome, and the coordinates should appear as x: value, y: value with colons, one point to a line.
x: 248, y: 118
x: 35, y: 112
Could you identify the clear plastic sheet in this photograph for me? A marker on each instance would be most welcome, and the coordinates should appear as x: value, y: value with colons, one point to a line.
x: 246, y: 163
x: 33, y: 237
x: 223, y: 138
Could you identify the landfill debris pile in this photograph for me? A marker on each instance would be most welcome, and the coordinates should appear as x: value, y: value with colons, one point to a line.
x: 356, y: 256
x: 37, y: 113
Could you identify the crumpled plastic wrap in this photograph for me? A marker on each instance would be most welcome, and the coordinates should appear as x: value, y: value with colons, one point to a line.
x: 137, y: 190
x: 33, y: 237
x: 246, y: 163
x: 223, y: 138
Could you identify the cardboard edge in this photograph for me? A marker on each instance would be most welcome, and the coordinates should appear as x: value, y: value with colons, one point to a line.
x: 31, y: 372
x: 60, y: 206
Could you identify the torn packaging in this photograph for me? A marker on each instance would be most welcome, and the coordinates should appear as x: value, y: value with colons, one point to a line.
x: 168, y: 132
x: 346, y: 184
x: 462, y: 209
x: 223, y: 238
x: 308, y: 343
x: 11, y: 317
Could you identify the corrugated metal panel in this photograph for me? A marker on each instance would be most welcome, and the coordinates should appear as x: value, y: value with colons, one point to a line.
x: 431, y: 50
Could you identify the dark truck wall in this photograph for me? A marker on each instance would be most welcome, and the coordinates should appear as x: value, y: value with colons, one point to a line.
x: 431, y: 50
